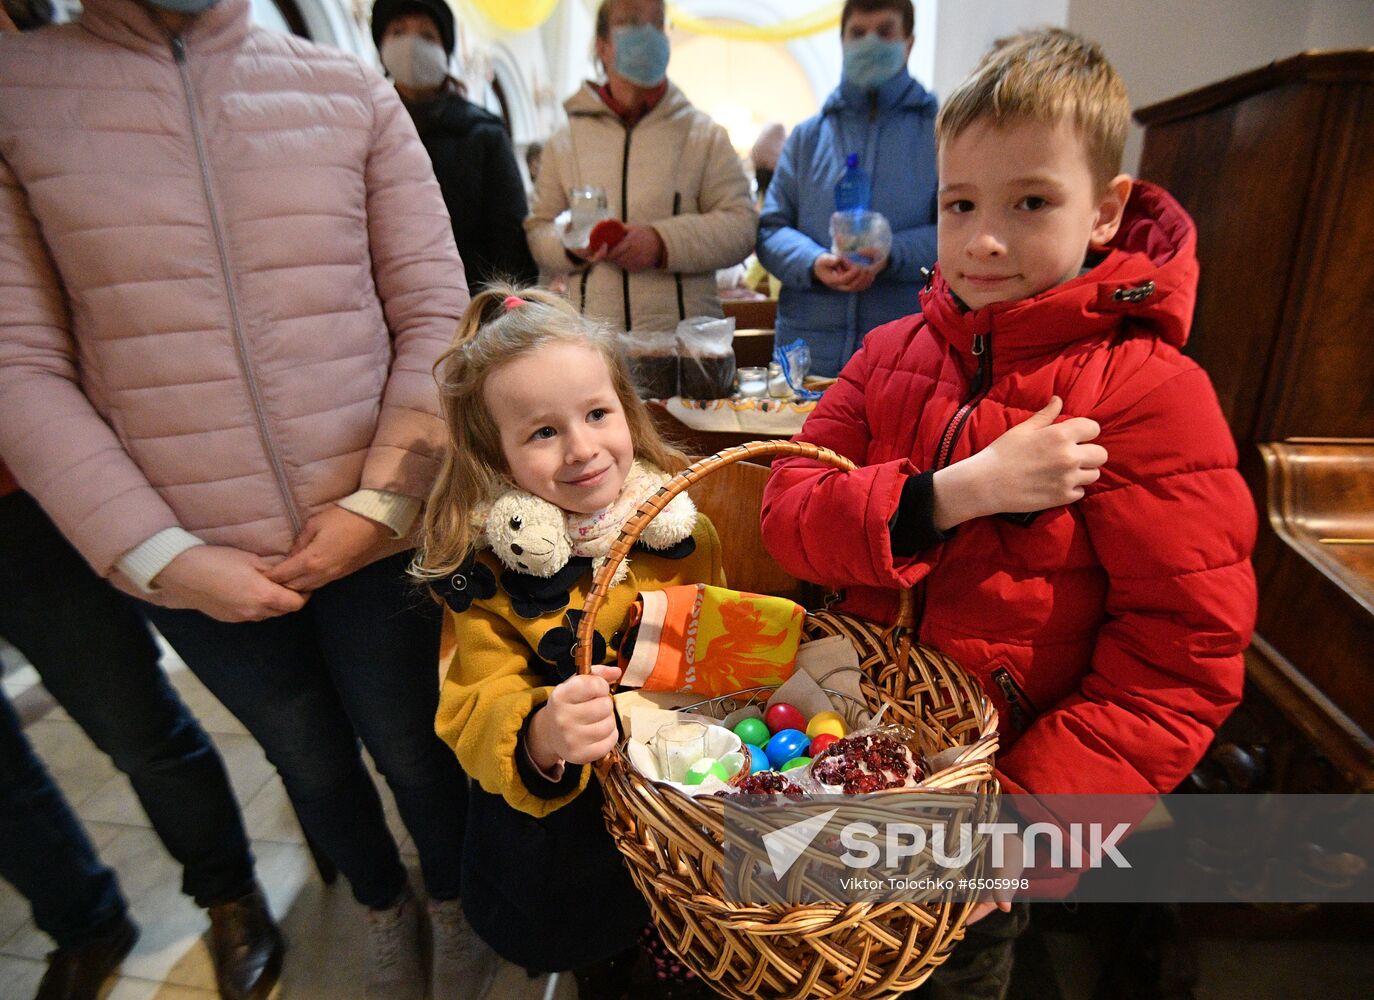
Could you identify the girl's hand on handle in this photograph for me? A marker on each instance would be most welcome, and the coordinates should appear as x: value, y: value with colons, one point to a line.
x: 227, y: 584
x: 1036, y: 465
x: 577, y: 724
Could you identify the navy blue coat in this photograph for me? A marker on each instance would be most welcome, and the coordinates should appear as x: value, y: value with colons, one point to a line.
x: 893, y: 131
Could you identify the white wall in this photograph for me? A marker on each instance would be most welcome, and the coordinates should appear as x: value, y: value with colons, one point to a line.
x: 1163, y: 48
x: 965, y: 29
x: 1340, y: 24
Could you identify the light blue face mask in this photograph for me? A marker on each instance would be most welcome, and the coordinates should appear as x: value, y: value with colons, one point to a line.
x: 184, y: 6
x: 641, y: 54
x: 869, y: 61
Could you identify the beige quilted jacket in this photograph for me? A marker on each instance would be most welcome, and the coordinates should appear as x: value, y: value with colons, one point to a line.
x: 675, y: 170
x: 225, y: 273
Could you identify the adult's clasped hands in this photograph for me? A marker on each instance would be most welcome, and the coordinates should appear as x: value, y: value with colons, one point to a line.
x: 232, y: 585
x: 843, y: 275
x: 640, y: 249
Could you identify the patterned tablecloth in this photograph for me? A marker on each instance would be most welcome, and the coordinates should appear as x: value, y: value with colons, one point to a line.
x: 770, y: 417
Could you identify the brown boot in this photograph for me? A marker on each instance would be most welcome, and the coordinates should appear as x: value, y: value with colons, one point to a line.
x: 77, y: 972
x: 246, y: 947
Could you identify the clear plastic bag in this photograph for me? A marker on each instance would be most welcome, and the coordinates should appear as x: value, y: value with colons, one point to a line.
x: 862, y: 238
x: 795, y: 361
x: 706, y: 357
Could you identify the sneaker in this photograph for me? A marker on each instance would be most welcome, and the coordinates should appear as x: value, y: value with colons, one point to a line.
x: 395, y: 969
x: 464, y: 965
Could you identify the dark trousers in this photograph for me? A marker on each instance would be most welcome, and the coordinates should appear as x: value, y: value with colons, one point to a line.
x: 979, y: 967
x: 44, y: 852
x: 95, y: 656
x: 361, y: 659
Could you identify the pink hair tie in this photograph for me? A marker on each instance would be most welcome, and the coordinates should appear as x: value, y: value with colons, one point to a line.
x: 511, y: 301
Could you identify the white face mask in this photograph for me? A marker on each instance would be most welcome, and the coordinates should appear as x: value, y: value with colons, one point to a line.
x: 414, y: 61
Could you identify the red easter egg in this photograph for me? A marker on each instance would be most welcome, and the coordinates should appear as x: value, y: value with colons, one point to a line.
x: 606, y: 233
x: 783, y: 716
x: 819, y: 743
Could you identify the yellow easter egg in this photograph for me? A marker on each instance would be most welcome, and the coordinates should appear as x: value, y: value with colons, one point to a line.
x: 826, y: 722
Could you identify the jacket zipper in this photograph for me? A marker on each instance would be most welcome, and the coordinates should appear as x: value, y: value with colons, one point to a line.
x: 625, y: 216
x: 254, y: 391
x: 677, y: 275
x: 982, y: 349
x: 1022, y: 709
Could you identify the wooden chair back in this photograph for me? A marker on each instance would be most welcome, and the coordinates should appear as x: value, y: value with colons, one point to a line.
x: 732, y: 498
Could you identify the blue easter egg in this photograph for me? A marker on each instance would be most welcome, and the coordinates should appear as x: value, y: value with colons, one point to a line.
x: 758, y: 760
x: 785, y: 745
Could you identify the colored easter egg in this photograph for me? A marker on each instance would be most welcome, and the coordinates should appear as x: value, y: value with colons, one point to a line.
x: 795, y: 763
x: 733, y: 763
x: 758, y: 760
x: 826, y: 722
x: 704, y: 768
x: 784, y: 716
x: 785, y: 745
x: 819, y: 743
x: 752, y: 731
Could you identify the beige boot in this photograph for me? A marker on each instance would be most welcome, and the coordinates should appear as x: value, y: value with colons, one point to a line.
x: 395, y: 967
x: 464, y: 966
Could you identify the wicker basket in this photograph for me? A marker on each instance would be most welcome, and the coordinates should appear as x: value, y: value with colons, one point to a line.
x: 673, y: 844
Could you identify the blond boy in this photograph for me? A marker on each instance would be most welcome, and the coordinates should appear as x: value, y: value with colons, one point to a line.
x: 1098, y: 583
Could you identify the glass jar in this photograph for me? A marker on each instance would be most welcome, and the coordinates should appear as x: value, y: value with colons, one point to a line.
x: 753, y: 383
x: 777, y: 382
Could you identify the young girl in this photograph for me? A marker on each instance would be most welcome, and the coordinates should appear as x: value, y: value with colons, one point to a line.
x: 536, y: 398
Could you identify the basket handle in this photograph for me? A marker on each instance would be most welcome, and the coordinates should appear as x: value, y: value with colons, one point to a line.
x: 650, y: 508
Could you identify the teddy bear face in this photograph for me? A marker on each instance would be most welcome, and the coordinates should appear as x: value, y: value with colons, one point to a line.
x: 528, y: 534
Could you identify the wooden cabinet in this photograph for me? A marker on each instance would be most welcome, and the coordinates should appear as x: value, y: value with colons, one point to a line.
x: 1277, y: 168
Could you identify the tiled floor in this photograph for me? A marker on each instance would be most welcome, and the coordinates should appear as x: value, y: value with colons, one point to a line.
x: 323, y: 925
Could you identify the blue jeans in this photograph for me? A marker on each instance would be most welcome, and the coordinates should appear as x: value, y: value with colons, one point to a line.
x: 360, y: 660
x: 95, y: 657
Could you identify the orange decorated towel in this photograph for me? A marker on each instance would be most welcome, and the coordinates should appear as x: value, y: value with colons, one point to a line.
x: 709, y: 640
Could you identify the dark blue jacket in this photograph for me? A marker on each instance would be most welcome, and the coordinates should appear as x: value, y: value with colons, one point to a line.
x: 893, y: 131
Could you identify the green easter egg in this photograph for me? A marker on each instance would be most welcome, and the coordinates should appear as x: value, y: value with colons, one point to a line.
x: 796, y: 762
x: 753, y: 731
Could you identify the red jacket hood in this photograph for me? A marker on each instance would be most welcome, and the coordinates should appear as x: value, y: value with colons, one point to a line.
x: 1149, y: 274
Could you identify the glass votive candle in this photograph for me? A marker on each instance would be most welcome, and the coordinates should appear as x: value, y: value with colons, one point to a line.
x: 753, y: 382
x: 679, y: 745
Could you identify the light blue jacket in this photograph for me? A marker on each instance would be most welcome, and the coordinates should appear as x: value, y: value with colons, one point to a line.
x: 893, y: 131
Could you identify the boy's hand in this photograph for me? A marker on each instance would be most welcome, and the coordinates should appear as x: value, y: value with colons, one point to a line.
x: 1009, y: 871
x: 1036, y: 465
x: 577, y: 723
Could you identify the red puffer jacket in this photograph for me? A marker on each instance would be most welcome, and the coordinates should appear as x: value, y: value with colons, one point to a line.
x: 1108, y: 632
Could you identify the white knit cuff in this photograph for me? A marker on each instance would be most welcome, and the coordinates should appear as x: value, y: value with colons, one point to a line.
x: 145, y: 561
x: 395, y: 511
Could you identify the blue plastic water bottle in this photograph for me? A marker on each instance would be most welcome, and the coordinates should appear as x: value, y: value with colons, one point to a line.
x: 854, y: 191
